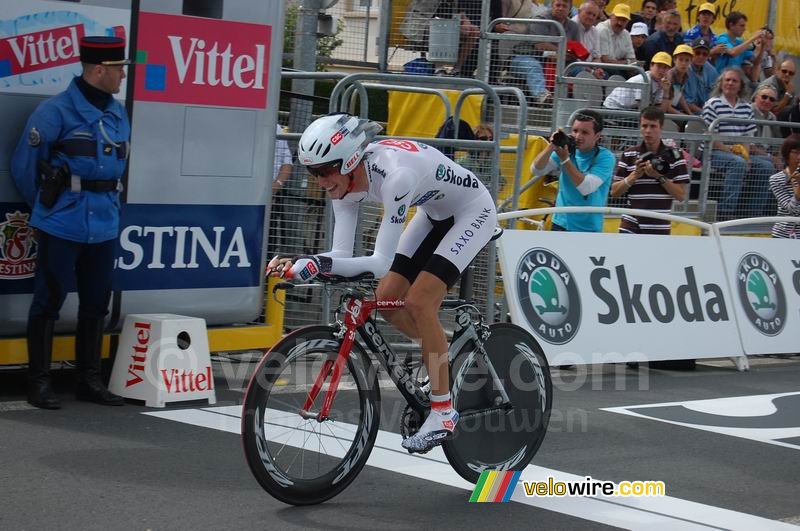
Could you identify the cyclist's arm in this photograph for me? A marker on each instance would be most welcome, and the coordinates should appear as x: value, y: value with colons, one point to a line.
x: 345, y: 216
x: 391, y: 228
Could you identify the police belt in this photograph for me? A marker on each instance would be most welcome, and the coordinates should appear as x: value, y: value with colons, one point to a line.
x: 76, y: 184
x: 84, y: 147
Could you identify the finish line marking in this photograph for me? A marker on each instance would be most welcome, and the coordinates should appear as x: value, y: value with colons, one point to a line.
x: 656, y: 514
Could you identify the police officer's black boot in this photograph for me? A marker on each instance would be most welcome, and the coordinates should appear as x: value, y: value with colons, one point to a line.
x: 40, y: 353
x: 88, y: 342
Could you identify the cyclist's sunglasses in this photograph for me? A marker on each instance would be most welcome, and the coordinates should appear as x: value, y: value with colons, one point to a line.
x: 323, y: 170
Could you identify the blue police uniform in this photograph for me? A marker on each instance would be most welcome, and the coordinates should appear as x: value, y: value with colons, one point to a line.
x: 84, y: 131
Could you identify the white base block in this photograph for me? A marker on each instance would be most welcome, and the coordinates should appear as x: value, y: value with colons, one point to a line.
x: 163, y: 358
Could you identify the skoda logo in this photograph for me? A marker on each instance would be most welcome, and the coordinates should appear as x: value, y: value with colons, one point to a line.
x: 761, y: 294
x: 440, y: 171
x: 549, y: 296
x: 401, y: 210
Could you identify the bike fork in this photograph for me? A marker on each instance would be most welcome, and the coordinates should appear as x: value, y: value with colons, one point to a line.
x: 332, y: 368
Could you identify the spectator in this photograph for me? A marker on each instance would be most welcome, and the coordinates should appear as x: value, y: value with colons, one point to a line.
x: 639, y: 33
x: 67, y: 166
x: 674, y: 101
x: 584, y: 174
x: 702, y: 76
x: 665, y: 39
x: 646, y: 16
x: 648, y: 189
x: 737, y: 50
x: 616, y: 46
x: 729, y: 100
x: 522, y: 9
x: 480, y: 161
x: 526, y: 62
x: 783, y: 81
x: 768, y: 61
x: 590, y: 38
x: 282, y: 171
x: 469, y: 13
x: 785, y: 186
x: 790, y: 114
x: 602, y: 16
x: 627, y: 98
x: 705, y: 18
x: 764, y: 99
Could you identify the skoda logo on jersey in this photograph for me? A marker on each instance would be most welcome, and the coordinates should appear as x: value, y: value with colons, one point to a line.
x: 761, y: 294
x: 440, y: 172
x: 549, y: 296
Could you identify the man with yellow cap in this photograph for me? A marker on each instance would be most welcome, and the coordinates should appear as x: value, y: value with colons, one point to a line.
x: 67, y: 166
x: 615, y: 42
x: 706, y: 15
x: 630, y: 99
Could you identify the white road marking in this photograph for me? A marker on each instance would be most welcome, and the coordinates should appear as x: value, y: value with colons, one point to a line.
x: 736, y: 407
x: 655, y: 514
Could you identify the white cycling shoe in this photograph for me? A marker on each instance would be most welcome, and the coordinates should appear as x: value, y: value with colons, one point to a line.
x: 437, y: 428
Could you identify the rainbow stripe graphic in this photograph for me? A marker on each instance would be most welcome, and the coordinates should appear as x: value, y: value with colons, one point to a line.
x: 495, y: 486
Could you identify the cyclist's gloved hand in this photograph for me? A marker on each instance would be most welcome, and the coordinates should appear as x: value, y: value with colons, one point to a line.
x: 307, y: 267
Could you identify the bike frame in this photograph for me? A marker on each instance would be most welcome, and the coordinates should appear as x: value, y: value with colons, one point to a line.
x: 358, y: 318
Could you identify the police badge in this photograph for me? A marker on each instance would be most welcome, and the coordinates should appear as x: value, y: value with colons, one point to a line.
x: 34, y: 138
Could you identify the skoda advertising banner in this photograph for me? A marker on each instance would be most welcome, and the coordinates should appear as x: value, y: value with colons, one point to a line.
x: 602, y: 298
x: 765, y: 278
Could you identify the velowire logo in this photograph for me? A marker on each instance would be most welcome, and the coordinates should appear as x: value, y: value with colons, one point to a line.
x: 548, y: 296
x: 761, y: 294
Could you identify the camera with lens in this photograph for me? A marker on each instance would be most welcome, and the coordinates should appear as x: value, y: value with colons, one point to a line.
x: 663, y: 161
x: 562, y: 139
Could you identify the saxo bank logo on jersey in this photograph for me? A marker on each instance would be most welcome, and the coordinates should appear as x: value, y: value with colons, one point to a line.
x: 761, y: 294
x: 549, y: 296
x: 205, y: 61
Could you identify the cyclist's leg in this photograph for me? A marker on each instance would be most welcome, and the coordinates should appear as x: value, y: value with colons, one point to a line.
x: 472, y: 229
x: 416, y: 245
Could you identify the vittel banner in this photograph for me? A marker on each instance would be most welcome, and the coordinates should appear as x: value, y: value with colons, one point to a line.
x: 608, y: 298
x: 203, y: 61
x: 40, y: 42
x: 188, y: 246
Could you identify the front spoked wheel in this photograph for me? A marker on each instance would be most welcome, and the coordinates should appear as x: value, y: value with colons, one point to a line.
x: 489, y: 437
x: 298, y: 459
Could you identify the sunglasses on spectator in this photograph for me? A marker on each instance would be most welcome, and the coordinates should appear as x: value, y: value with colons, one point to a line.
x: 784, y: 71
x: 324, y: 169
x: 485, y: 138
x: 765, y: 97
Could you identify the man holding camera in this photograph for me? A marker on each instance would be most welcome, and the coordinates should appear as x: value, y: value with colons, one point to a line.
x: 585, y: 171
x: 652, y: 174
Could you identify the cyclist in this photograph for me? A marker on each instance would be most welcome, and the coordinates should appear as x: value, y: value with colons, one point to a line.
x: 455, y: 219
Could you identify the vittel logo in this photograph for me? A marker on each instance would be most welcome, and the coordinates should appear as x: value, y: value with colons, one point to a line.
x: 214, y: 65
x: 40, y: 50
x: 205, y: 61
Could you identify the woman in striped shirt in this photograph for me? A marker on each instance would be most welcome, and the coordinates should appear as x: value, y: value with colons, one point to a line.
x: 729, y: 99
x: 785, y: 186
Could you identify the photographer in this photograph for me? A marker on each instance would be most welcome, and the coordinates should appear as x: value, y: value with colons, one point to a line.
x: 585, y: 171
x: 652, y: 174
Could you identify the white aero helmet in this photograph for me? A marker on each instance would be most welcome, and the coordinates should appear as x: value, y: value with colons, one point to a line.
x: 336, y: 138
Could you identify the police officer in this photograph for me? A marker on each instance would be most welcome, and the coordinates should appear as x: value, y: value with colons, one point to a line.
x: 67, y: 166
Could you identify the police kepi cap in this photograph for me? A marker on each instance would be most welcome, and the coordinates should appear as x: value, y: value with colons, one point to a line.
x: 97, y: 50
x: 701, y: 42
